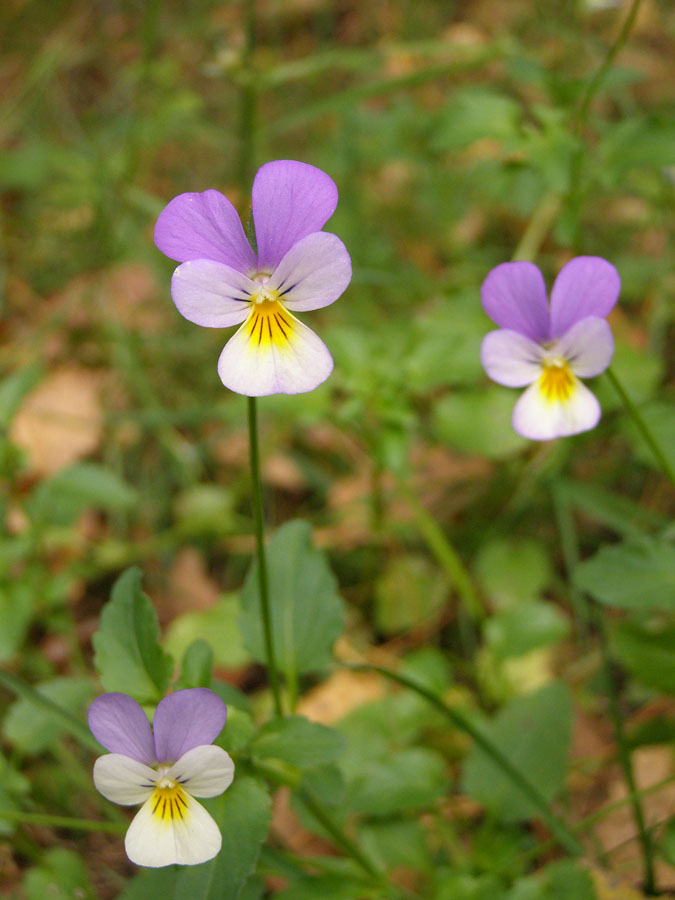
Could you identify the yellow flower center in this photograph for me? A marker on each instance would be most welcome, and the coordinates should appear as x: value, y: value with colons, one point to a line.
x: 169, y: 801
x: 268, y: 321
x: 556, y: 382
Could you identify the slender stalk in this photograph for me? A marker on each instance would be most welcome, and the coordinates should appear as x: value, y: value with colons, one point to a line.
x: 642, y: 426
x: 248, y: 99
x: 538, y: 227
x: 27, y: 818
x: 263, y: 583
x: 559, y: 829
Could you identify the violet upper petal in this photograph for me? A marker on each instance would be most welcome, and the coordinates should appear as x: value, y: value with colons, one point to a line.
x: 290, y: 200
x: 313, y: 273
x: 187, y: 719
x: 586, y: 286
x: 514, y: 296
x: 587, y: 346
x: 204, y: 226
x: 119, y: 723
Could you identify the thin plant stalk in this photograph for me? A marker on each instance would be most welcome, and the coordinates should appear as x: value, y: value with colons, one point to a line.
x: 559, y: 829
x: 263, y: 582
x: 642, y: 426
x: 74, y: 824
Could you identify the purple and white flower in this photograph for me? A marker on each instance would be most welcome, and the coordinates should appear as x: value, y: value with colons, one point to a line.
x: 222, y: 282
x: 164, y: 768
x: 550, y: 348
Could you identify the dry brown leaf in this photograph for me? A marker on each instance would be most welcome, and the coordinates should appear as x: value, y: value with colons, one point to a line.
x: 61, y: 421
x: 330, y: 701
x: 190, y: 585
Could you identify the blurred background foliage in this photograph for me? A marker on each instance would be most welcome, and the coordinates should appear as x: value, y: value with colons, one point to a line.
x: 453, y: 131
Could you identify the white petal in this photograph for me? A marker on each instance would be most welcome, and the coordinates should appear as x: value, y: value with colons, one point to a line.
x: 153, y: 840
x: 587, y: 346
x: 260, y: 359
x: 204, y: 771
x: 540, y: 419
x: 211, y: 294
x: 511, y: 358
x: 313, y: 273
x: 122, y: 779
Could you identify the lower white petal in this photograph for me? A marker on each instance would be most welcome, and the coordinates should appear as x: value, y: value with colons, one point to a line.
x: 122, y: 779
x: 204, y: 771
x: 274, y: 353
x: 540, y: 418
x: 211, y: 294
x: 587, y: 346
x: 511, y: 358
x: 168, y: 830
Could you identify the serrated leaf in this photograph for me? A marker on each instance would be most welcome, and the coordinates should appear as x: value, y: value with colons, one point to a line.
x: 637, y: 574
x: 306, y: 610
x: 298, y: 741
x: 128, y: 655
x: 243, y: 815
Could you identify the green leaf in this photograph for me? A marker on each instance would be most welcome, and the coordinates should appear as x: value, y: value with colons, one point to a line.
x: 306, y: 610
x: 533, y: 731
x: 218, y: 626
x: 127, y: 651
x: 410, y: 590
x: 151, y: 883
x: 660, y: 420
x: 478, y: 422
x: 512, y: 570
x: 14, y: 388
x: 566, y: 880
x: 399, y: 842
x: 61, y: 875
x: 637, y: 574
x: 34, y: 731
x: 195, y: 670
x: 298, y: 741
x: 532, y: 624
x: 243, y: 815
x: 61, y: 498
x: 16, y: 611
x: 408, y: 780
x: 649, y: 655
x: 14, y: 787
x: 325, y: 887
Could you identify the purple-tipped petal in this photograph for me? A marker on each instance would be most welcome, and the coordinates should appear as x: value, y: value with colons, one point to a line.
x: 204, y: 226
x: 290, y: 200
x: 510, y: 358
x: 187, y: 719
x: 211, y: 294
x: 119, y: 723
x: 313, y: 273
x: 514, y: 296
x: 586, y: 286
x: 587, y: 346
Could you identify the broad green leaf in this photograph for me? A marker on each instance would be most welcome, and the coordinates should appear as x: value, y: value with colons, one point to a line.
x: 567, y: 880
x: 196, y: 666
x: 326, y: 887
x: 533, y: 731
x: 16, y: 610
x: 60, y: 875
x: 475, y: 113
x: 152, y: 883
x: 218, y: 626
x: 85, y: 485
x: 454, y: 885
x: 512, y: 570
x: 619, y: 513
x: 33, y: 729
x: 409, y: 591
x: 243, y: 815
x: 298, y: 741
x: 478, y: 422
x: 397, y: 842
x: 306, y: 610
x: 637, y: 574
x: 649, y: 655
x: 127, y: 651
x: 521, y: 628
x: 407, y: 780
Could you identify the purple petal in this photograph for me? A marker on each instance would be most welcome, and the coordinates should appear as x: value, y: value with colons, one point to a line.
x: 587, y: 346
x: 313, y: 273
x: 212, y: 294
x: 514, y: 296
x: 290, y: 200
x: 119, y: 723
x: 586, y: 286
x: 204, y: 226
x: 510, y: 358
x: 187, y: 719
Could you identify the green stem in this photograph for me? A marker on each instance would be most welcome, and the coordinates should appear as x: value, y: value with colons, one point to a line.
x: 538, y: 227
x: 559, y: 829
x: 248, y: 100
x: 446, y: 555
x: 642, y: 426
x: 70, y: 722
x: 26, y: 818
x: 263, y: 583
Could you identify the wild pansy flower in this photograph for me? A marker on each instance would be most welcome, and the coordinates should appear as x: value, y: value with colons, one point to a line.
x: 164, y: 768
x: 549, y: 349
x: 223, y: 282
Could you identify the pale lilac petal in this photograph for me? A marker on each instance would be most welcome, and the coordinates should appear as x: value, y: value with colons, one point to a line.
x: 510, y: 358
x: 211, y: 294
x: 586, y: 286
x: 203, y: 771
x: 514, y: 296
x: 539, y: 419
x: 120, y: 725
x: 188, y: 840
x: 123, y: 780
x: 204, y: 226
x: 587, y: 346
x: 313, y: 273
x: 255, y: 369
x: 187, y: 719
x: 290, y: 200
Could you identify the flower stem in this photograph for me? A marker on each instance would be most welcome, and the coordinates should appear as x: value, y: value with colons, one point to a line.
x: 263, y: 583
x: 559, y: 829
x: 27, y: 818
x: 642, y: 426
x: 248, y: 100
x: 538, y: 227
